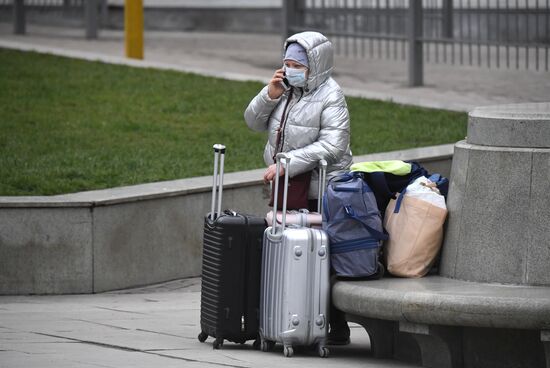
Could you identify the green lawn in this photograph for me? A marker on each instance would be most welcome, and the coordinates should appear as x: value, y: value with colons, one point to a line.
x: 69, y: 125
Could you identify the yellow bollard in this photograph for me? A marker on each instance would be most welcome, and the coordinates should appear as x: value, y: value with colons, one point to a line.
x: 133, y: 28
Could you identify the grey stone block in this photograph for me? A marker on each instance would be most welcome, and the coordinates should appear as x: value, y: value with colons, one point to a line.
x: 499, y: 205
x: 515, y: 125
x: 147, y: 242
x: 386, y: 341
x: 381, y: 335
x: 414, y: 328
x: 457, y: 188
x: 494, y: 237
x: 440, y: 346
x: 538, y: 256
x: 45, y: 250
x: 406, y: 347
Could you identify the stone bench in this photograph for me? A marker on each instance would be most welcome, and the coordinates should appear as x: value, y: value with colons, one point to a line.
x: 443, y: 315
x: 490, y: 304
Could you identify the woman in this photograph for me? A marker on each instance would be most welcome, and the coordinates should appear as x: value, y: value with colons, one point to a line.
x: 308, y: 120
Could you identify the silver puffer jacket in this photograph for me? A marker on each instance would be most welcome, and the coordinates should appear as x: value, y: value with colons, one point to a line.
x: 317, y: 120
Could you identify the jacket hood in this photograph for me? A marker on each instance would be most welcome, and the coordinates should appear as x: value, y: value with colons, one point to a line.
x: 320, y: 55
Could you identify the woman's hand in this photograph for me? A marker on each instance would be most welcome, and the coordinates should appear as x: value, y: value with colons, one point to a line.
x: 275, y: 87
x: 270, y: 172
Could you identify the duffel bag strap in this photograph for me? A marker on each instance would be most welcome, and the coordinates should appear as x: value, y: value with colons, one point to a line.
x: 375, y: 233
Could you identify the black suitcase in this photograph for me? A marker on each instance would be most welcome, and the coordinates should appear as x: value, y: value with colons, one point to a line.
x: 231, y: 270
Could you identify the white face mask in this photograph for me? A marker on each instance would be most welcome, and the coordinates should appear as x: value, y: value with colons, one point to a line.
x: 296, y: 77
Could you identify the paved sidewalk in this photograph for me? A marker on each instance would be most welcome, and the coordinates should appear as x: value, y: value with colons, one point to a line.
x: 255, y: 56
x: 155, y: 326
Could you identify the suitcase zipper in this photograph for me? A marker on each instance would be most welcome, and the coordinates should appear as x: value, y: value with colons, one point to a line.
x: 310, y: 272
x: 351, y: 245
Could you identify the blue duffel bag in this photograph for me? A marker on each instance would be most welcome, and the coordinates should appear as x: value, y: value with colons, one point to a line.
x: 353, y: 224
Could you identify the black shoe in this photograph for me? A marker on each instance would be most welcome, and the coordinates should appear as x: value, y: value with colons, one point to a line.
x: 340, y: 340
x: 339, y: 335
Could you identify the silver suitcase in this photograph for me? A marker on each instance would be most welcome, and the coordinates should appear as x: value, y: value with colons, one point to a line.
x: 295, y: 285
x: 303, y: 217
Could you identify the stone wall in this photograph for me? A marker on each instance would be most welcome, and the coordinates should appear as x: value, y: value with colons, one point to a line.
x: 130, y: 236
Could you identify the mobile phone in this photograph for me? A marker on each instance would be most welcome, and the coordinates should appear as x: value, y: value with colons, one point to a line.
x: 285, y: 82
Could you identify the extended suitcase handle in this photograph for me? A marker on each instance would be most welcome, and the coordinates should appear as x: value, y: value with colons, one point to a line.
x: 219, y: 155
x: 322, y: 184
x: 281, y: 159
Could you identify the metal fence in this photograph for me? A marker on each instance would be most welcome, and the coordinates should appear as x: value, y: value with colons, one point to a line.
x: 89, y: 12
x: 484, y: 33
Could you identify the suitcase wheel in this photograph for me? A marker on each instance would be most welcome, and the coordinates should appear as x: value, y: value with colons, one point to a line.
x: 323, y: 351
x: 218, y: 343
x: 288, y: 351
x: 203, y: 336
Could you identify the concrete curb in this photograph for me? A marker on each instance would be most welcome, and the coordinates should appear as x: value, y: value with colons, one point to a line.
x: 202, y: 184
x: 119, y: 60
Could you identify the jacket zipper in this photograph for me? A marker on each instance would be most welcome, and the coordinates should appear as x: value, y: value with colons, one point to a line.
x: 281, y: 133
x: 282, y: 126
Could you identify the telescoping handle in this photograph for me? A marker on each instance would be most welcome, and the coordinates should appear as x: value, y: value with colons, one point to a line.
x: 322, y: 184
x: 219, y: 155
x: 284, y: 160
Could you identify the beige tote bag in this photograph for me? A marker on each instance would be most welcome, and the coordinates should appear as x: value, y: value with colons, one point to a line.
x: 416, y: 233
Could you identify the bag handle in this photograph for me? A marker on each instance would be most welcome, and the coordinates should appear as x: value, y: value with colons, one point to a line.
x: 435, y: 177
x: 420, y: 171
x: 343, y: 177
x: 402, y: 194
x: 376, y: 234
x: 399, y: 200
x: 432, y: 186
x: 219, y: 154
